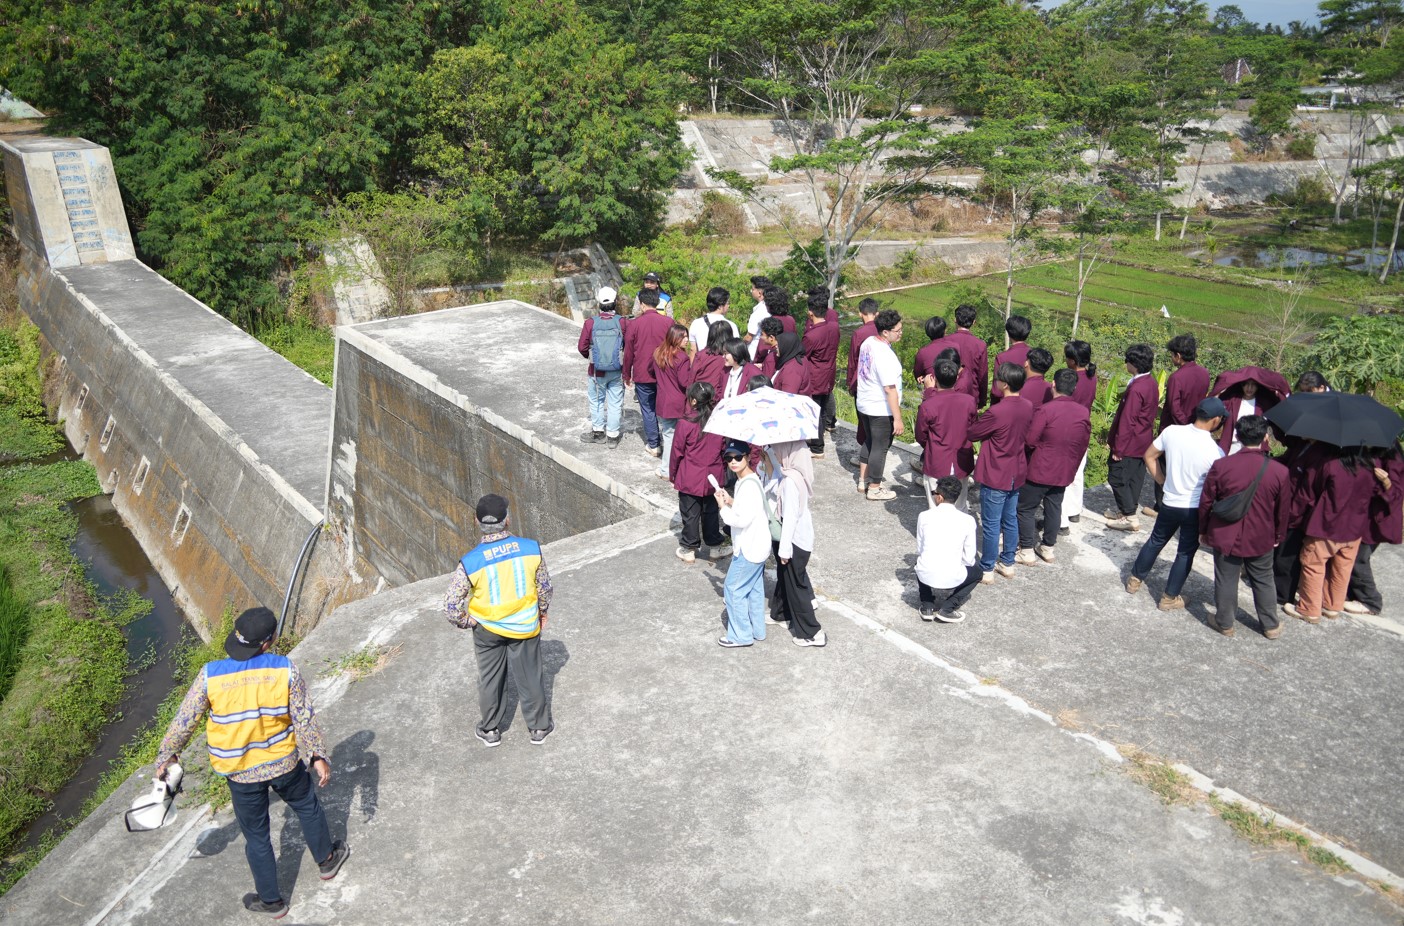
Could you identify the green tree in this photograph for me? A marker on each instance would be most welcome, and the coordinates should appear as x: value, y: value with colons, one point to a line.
x: 1361, y: 353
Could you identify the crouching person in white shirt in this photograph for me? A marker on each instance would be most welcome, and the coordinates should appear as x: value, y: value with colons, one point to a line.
x: 946, y: 567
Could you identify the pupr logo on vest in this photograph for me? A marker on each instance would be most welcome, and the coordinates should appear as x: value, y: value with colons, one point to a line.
x: 502, y: 550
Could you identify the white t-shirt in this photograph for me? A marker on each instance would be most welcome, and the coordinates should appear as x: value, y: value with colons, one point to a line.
x: 758, y: 314
x: 945, y: 546
x: 1189, y: 452
x: 878, y: 368
x: 1248, y: 407
x: 701, y: 329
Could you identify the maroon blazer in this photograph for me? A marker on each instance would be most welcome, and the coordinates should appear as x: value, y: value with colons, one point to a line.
x: 855, y: 344
x: 793, y: 378
x: 641, y: 338
x: 1133, y: 427
x: 1183, y: 390
x: 587, y: 332
x: 709, y: 368
x: 747, y: 371
x: 1002, y: 463
x: 1265, y: 400
x: 925, y: 360
x: 1303, y: 459
x: 1386, y: 525
x: 765, y: 356
x: 1086, y: 392
x: 975, y: 357
x: 672, y: 386
x: 1265, y: 524
x: 1037, y: 390
x: 942, y: 424
x: 695, y: 454
x: 821, y: 343
x: 1018, y: 352
x: 1338, y: 502
x: 1059, y: 433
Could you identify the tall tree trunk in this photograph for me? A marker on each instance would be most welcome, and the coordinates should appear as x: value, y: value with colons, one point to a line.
x: 1009, y: 270
x: 1394, y: 241
x: 1194, y: 182
x: 1081, y: 285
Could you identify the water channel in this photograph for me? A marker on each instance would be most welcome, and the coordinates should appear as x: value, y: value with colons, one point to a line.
x: 114, y: 562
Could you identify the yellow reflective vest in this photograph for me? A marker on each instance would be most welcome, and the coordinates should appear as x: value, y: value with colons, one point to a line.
x: 250, y: 724
x: 503, y: 576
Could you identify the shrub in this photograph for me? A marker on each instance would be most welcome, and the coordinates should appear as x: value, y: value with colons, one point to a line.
x: 721, y: 215
x: 1302, y: 148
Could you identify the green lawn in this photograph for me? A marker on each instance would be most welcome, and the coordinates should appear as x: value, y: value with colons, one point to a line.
x: 1116, y: 288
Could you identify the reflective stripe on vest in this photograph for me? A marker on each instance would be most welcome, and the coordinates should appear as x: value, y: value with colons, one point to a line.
x: 503, y: 576
x: 249, y: 723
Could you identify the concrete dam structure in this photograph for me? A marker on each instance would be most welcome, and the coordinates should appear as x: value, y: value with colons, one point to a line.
x: 904, y: 769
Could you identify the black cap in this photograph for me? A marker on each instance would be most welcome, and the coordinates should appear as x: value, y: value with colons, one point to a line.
x: 737, y: 446
x: 251, y: 630
x: 652, y: 277
x: 492, y: 510
x: 1210, y: 407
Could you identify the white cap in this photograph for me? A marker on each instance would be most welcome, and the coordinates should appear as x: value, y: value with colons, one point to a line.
x: 607, y: 295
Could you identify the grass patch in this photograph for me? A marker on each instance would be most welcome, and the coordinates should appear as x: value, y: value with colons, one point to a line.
x: 368, y: 660
x: 1168, y: 784
x: 1261, y: 831
x: 309, y: 347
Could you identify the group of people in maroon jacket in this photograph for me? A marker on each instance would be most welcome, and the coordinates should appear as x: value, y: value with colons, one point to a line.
x: 1300, y: 528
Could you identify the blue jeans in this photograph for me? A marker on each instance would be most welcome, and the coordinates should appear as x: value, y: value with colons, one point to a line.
x: 647, y: 394
x: 744, y: 592
x: 251, y: 810
x: 1169, y: 522
x: 607, y: 402
x: 999, y: 517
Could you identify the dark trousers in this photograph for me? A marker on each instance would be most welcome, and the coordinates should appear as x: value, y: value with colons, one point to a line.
x: 1158, y: 491
x: 1127, y: 476
x: 647, y: 394
x: 1258, y: 571
x: 250, y: 802
x: 494, y: 654
x: 826, y: 417
x: 1287, y: 565
x: 878, y: 431
x: 1169, y: 522
x: 793, y: 600
x: 950, y: 599
x: 1031, y: 496
x: 701, y: 520
x: 861, y: 436
x: 1362, y: 586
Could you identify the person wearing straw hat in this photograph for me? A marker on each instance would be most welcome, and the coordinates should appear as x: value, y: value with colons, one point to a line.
x: 261, y: 725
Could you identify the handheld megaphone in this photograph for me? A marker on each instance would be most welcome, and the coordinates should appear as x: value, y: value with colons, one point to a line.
x: 156, y: 808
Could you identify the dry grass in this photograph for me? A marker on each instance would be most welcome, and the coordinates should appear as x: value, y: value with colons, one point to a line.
x: 1263, y: 832
x: 364, y: 662
x: 1168, y: 784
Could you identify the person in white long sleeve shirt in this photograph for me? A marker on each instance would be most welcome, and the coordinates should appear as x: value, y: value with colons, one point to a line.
x: 793, y: 602
x: 946, y: 568
x: 745, y: 513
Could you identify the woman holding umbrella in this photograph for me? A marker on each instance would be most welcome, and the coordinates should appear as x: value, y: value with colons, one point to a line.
x: 1246, y: 391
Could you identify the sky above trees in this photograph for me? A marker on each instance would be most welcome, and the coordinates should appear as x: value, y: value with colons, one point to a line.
x: 1279, y: 12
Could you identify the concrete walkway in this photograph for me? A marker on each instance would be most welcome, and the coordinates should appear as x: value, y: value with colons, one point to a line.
x: 907, y: 773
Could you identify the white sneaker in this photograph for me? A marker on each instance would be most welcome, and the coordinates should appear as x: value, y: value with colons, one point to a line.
x: 1026, y: 557
x: 686, y: 555
x: 818, y: 640
x: 950, y: 617
x: 987, y: 578
x: 1044, y: 553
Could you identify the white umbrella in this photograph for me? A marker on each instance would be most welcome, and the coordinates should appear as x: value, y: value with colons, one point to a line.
x: 765, y: 416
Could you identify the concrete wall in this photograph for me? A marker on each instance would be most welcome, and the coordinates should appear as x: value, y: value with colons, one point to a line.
x: 411, y: 456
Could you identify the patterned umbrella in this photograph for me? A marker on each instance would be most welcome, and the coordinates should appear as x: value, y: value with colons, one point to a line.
x: 765, y: 416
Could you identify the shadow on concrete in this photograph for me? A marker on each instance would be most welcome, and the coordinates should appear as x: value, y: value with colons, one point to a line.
x: 554, y: 656
x: 355, y: 773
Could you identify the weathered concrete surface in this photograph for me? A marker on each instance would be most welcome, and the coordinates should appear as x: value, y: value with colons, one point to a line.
x: 1307, y: 724
x: 65, y: 200
x: 433, y: 411
x: 685, y: 783
x: 212, y: 446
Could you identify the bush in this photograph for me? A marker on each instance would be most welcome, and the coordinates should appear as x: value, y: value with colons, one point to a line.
x: 721, y: 215
x: 1302, y: 148
x: 1361, y: 353
x: 689, y: 268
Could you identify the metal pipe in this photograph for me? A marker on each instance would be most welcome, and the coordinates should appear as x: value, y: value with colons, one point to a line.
x: 297, y: 569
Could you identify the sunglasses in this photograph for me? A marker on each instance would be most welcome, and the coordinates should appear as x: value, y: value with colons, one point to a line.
x: 733, y: 457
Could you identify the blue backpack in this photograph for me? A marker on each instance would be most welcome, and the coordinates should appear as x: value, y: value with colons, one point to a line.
x: 607, y: 344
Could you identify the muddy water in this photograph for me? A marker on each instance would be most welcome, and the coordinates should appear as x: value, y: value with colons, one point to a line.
x: 113, y: 561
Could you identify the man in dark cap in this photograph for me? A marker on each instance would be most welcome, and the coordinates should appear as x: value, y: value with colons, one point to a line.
x: 502, y: 591
x: 652, y: 282
x: 260, y: 719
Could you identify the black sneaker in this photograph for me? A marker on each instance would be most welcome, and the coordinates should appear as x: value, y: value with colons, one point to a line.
x: 1074, y: 518
x: 614, y: 441
x: 488, y: 737
x: 277, y: 910
x: 928, y: 613
x: 340, y: 853
x: 539, y: 736
x: 593, y: 437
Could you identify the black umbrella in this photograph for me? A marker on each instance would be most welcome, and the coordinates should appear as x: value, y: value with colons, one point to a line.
x: 1342, y: 419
